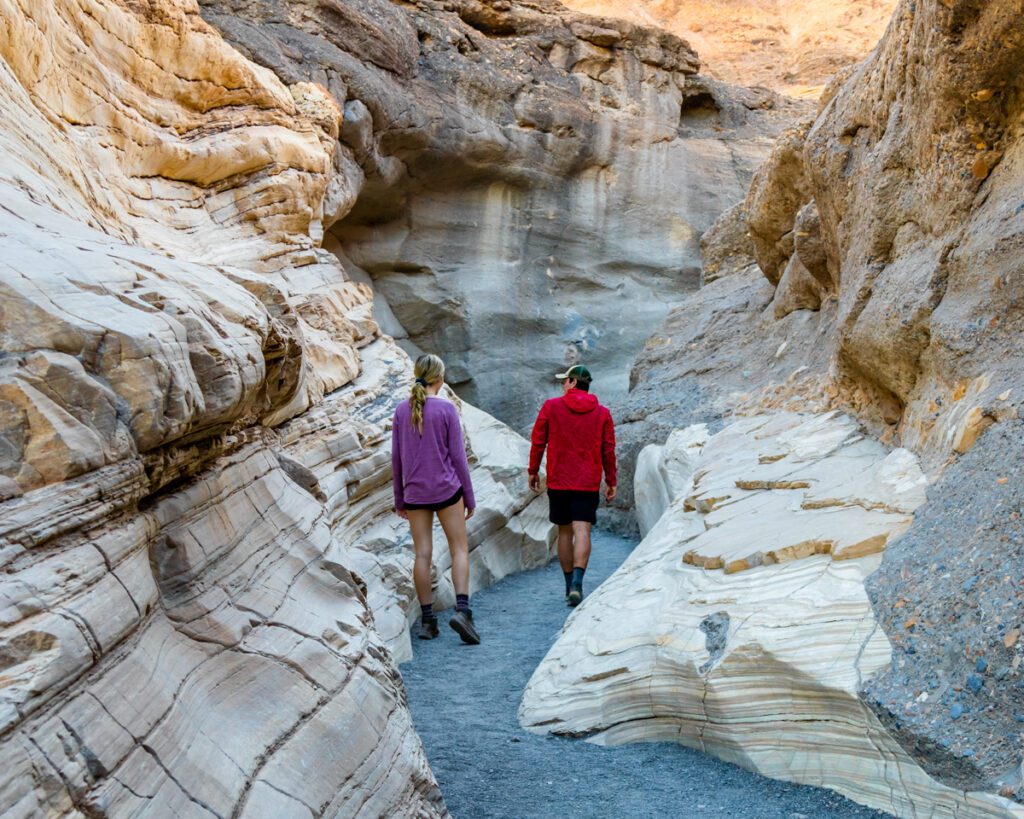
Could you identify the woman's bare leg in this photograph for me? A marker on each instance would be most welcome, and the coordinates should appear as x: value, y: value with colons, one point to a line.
x: 421, y: 524
x: 453, y: 521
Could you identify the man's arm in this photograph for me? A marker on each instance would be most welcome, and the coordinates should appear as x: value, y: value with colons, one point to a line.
x: 611, y: 476
x: 538, y: 443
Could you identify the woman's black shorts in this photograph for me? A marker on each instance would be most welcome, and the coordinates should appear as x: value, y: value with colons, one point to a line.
x: 567, y: 505
x: 437, y: 507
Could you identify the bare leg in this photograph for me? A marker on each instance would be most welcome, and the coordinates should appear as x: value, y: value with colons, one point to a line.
x: 453, y: 521
x: 581, y: 543
x: 565, y: 547
x: 421, y: 524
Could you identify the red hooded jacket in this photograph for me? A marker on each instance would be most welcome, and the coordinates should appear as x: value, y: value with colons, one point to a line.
x: 580, y: 438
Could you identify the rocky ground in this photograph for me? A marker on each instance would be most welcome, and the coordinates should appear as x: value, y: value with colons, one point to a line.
x: 464, y: 702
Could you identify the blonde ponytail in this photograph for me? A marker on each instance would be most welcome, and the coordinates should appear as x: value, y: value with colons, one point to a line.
x: 429, y: 369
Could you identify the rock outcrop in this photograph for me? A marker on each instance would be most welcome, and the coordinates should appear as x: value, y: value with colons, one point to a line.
x: 530, y: 184
x: 204, y: 588
x: 791, y: 47
x: 884, y: 234
x: 757, y: 661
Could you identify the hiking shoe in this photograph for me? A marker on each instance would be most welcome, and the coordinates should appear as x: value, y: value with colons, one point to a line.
x: 428, y: 629
x: 462, y: 623
x: 575, y: 596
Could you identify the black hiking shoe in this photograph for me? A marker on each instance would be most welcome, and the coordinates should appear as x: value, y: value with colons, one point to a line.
x: 462, y: 623
x: 575, y: 596
x: 428, y: 629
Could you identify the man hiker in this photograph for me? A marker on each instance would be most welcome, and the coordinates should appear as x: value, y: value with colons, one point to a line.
x: 580, y: 439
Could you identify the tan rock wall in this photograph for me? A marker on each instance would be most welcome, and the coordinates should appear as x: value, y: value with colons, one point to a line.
x: 203, y: 581
x: 792, y: 47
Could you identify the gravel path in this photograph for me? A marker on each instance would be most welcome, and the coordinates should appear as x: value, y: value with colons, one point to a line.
x: 464, y: 701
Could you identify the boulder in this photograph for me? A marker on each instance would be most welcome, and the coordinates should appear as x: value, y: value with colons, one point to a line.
x: 759, y: 666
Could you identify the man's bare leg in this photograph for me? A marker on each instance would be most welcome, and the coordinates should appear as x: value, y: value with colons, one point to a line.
x: 565, y: 553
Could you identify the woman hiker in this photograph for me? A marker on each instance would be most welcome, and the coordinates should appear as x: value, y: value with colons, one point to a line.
x: 431, y: 476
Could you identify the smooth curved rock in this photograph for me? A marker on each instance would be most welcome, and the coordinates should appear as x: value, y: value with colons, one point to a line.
x: 533, y: 192
x: 760, y: 667
x: 662, y: 472
x: 194, y: 475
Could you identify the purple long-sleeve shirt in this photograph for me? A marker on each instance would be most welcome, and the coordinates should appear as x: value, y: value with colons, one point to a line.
x: 429, y: 468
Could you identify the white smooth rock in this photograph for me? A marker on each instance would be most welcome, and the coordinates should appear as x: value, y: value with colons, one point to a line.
x: 761, y: 666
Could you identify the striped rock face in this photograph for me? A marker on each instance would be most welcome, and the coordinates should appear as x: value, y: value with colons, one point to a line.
x: 202, y: 575
x: 740, y: 625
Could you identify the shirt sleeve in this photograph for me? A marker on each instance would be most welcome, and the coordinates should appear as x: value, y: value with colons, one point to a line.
x: 457, y: 452
x: 608, y: 451
x: 396, y: 465
x: 538, y: 439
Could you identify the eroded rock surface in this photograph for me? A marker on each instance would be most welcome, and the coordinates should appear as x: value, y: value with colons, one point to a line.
x: 203, y: 583
x: 792, y: 47
x: 530, y: 183
x: 885, y: 231
x: 760, y: 666
x: 950, y: 596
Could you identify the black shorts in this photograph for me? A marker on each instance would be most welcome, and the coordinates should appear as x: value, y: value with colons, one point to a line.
x: 567, y: 505
x: 437, y: 507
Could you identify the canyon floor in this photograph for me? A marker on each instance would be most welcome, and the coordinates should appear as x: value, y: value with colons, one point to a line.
x: 464, y: 700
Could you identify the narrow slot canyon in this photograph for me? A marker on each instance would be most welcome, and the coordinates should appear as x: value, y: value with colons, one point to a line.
x: 784, y: 237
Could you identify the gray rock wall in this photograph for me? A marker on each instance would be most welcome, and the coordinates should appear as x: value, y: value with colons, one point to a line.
x: 530, y: 184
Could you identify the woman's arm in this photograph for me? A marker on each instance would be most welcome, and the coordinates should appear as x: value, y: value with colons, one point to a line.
x: 457, y: 452
x: 396, y: 466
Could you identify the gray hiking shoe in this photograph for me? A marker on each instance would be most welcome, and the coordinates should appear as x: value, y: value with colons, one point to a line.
x: 462, y: 623
x: 428, y: 629
x: 575, y: 596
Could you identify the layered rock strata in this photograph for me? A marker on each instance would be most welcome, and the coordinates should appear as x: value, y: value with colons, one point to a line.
x: 530, y: 184
x: 759, y: 664
x: 195, y: 528
x: 884, y: 233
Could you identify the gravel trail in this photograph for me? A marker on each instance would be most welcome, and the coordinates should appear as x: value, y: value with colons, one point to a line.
x: 464, y: 701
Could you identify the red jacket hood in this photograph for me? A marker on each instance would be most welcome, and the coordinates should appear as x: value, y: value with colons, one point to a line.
x: 579, y: 401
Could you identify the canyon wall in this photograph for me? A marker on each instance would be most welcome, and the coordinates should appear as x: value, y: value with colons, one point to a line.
x: 530, y: 184
x: 204, y: 587
x: 790, y: 47
x: 874, y: 268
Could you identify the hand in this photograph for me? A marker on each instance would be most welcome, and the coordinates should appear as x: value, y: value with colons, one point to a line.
x: 469, y: 512
x: 402, y: 514
x: 609, y: 493
x: 535, y: 483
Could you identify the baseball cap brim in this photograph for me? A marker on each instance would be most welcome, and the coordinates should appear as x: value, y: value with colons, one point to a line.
x: 579, y: 376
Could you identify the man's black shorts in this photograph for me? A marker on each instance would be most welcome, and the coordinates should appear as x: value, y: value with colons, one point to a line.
x: 568, y: 505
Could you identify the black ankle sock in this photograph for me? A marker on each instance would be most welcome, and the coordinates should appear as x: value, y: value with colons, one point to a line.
x: 568, y: 581
x: 461, y: 602
x: 427, y: 611
x: 577, y: 576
